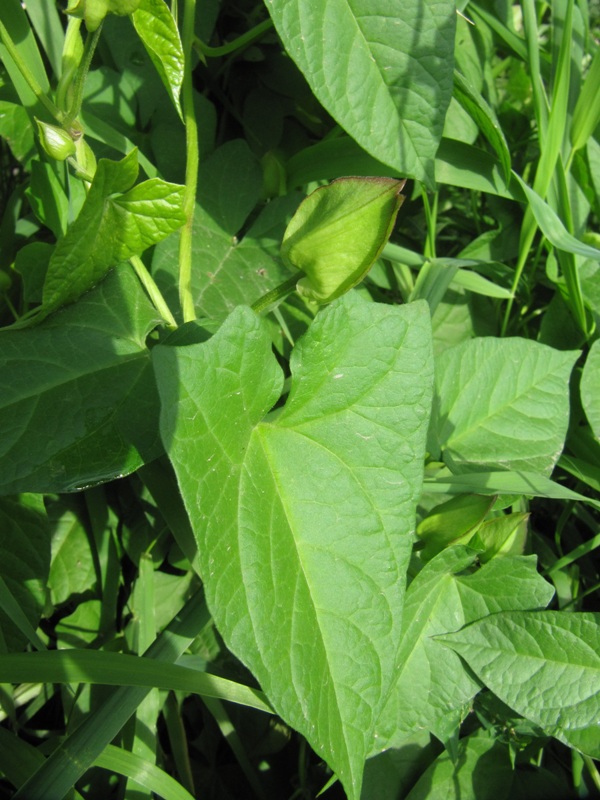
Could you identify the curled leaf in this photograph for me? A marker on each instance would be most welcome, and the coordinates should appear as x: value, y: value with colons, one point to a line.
x: 338, y: 232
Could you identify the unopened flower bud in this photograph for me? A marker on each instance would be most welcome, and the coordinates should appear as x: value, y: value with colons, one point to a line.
x: 56, y: 142
x: 338, y: 232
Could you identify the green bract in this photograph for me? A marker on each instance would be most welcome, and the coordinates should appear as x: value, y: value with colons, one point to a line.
x: 338, y: 232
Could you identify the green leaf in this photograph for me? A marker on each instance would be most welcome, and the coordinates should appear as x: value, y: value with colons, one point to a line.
x: 484, y: 769
x: 47, y: 197
x: 15, y: 22
x: 156, y: 28
x: 143, y: 216
x: 16, y: 129
x: 228, y: 272
x: 24, y: 562
x: 338, y: 232
x: 501, y: 404
x: 485, y: 117
x: 121, y: 669
x: 77, y: 398
x: 433, y: 689
x: 305, y: 518
x: 590, y: 388
x: 454, y: 521
x: 383, y: 72
x: 552, y: 226
x: 522, y: 484
x: 76, y: 753
x: 143, y: 772
x: 72, y: 569
x: 461, y: 164
x: 545, y: 665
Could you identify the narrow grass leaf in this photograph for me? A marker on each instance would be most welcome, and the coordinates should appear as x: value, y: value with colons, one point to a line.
x: 545, y: 665
x: 143, y: 772
x: 304, y: 517
x: 501, y: 404
x: 485, y: 117
x: 384, y: 72
x: 47, y: 24
x: 552, y: 227
x: 120, y: 669
x: 76, y: 754
x: 523, y: 484
x: 586, y: 116
x: 15, y: 22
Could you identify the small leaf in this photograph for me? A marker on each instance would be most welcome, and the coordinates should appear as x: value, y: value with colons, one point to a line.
x: 501, y: 404
x: 544, y: 664
x: 142, y: 216
x: 338, y: 232
x: 433, y: 689
x: 156, y: 28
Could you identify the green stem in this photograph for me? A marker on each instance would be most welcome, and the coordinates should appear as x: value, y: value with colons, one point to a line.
x: 241, y: 41
x: 191, y: 168
x: 592, y: 771
x: 271, y: 299
x: 86, y: 60
x: 153, y: 291
x: 28, y: 75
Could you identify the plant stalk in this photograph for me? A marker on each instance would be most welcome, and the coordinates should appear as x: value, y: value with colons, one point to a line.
x: 241, y: 41
x: 153, y: 291
x: 271, y: 299
x: 88, y: 53
x: 191, y: 168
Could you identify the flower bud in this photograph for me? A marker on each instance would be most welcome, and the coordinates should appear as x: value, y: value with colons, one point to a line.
x: 94, y: 11
x: 338, y: 232
x: 56, y: 142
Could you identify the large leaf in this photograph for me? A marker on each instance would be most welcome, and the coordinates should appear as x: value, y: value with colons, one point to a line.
x: 545, y: 665
x: 115, y: 223
x: 501, y: 404
x: 304, y: 517
x: 78, y: 403
x: 228, y: 272
x: 382, y: 70
x: 433, y: 687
